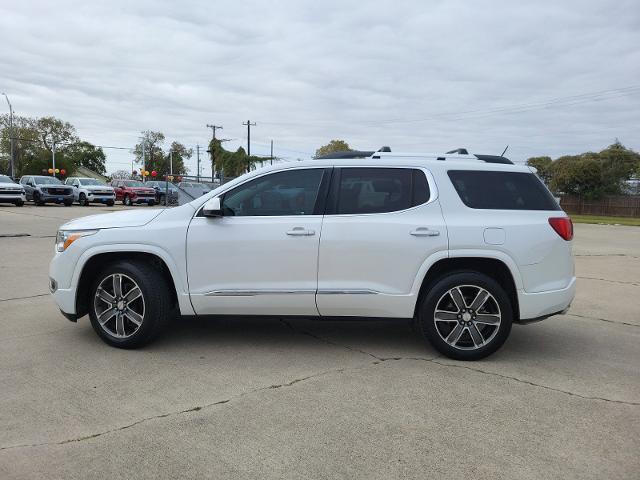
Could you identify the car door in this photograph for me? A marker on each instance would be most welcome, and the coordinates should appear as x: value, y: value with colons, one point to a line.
x: 75, y: 185
x: 381, y: 226
x: 261, y: 256
x: 27, y: 183
x: 117, y: 187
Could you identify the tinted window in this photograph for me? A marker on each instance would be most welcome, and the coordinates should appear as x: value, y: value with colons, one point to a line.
x: 284, y: 193
x: 502, y: 190
x: 378, y: 190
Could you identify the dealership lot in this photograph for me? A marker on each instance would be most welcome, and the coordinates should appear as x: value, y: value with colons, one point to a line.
x: 257, y: 398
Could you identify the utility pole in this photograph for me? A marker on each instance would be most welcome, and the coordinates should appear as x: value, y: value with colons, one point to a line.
x: 271, y: 152
x: 198, y: 153
x: 53, y: 157
x: 11, y: 135
x: 213, y: 149
x: 249, y: 125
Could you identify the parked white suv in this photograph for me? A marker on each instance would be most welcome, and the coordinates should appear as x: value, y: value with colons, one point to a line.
x: 462, y: 244
x: 90, y: 190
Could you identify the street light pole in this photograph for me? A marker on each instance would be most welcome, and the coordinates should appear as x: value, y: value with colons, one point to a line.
x: 11, y: 135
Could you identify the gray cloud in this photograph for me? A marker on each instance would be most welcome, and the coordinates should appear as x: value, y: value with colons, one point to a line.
x: 404, y: 74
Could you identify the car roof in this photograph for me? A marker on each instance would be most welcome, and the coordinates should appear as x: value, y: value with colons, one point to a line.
x: 412, y: 160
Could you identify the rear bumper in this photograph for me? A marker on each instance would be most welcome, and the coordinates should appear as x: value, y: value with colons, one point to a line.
x: 538, y: 306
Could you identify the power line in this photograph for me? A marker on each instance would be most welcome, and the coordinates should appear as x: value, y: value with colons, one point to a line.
x: 517, y: 108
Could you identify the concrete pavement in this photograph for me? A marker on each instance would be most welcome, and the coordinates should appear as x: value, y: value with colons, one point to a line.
x: 255, y: 398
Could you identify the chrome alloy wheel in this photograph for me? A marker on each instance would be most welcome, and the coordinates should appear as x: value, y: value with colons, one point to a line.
x: 467, y: 317
x: 119, y: 305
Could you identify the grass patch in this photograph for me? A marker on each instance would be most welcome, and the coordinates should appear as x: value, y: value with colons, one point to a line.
x: 596, y: 219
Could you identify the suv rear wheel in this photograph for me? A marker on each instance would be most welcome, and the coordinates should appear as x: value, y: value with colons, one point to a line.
x: 129, y: 304
x: 466, y: 315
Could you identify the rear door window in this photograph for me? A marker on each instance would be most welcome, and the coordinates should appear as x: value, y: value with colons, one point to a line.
x: 502, y: 190
x: 379, y: 190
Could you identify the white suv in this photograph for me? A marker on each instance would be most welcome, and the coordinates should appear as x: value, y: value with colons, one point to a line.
x: 465, y: 245
x: 90, y: 190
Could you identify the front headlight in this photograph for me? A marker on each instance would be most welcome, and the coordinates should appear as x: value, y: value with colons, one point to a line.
x: 64, y: 238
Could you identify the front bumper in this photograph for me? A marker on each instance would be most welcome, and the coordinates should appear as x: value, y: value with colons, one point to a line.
x: 11, y: 197
x: 144, y: 199
x: 53, y: 198
x: 101, y: 198
x: 541, y: 305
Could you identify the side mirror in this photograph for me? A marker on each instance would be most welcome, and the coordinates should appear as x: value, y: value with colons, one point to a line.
x: 212, y: 208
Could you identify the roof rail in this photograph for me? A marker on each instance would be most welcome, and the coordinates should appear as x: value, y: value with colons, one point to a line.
x: 493, y: 159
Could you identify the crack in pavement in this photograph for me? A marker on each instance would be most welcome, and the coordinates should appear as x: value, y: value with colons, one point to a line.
x: 602, y: 319
x: 457, y: 365
x: 24, y: 298
x: 612, y: 281
x: 179, y: 412
x: 605, y: 255
x: 377, y: 361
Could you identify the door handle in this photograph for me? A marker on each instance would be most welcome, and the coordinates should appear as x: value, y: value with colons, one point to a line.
x: 300, y: 232
x: 424, y: 232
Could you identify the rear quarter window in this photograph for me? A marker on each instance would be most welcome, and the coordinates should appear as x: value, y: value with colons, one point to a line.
x: 502, y: 190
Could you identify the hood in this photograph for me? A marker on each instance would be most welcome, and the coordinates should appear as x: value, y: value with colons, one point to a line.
x: 98, y: 187
x: 11, y: 186
x: 128, y: 218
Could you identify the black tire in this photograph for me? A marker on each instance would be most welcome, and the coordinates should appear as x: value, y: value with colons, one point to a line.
x: 68, y: 203
x: 438, y: 292
x: 82, y: 200
x: 158, y: 307
x: 110, y: 203
x: 36, y: 199
x: 151, y: 203
x: 19, y: 203
x: 126, y: 201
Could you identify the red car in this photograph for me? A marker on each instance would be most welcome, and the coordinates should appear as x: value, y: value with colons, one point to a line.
x: 133, y: 191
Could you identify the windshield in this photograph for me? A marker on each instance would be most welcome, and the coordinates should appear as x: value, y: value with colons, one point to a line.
x: 4, y: 179
x: 47, y: 181
x: 90, y: 181
x: 133, y: 183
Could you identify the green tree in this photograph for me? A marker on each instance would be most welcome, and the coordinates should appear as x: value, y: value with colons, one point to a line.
x: 577, y: 175
x: 542, y: 165
x: 232, y: 164
x: 332, y: 147
x: 618, y: 164
x: 87, y: 155
x: 149, y: 150
x: 176, y: 156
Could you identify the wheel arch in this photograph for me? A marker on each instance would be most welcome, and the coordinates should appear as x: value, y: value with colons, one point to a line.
x: 493, y: 267
x: 96, y: 262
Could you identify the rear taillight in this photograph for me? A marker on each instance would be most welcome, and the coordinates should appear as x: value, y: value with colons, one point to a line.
x: 563, y: 227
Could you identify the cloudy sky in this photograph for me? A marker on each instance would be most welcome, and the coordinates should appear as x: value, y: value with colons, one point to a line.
x: 547, y: 78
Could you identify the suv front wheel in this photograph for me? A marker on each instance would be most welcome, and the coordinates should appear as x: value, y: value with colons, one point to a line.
x: 129, y: 304
x: 466, y: 315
